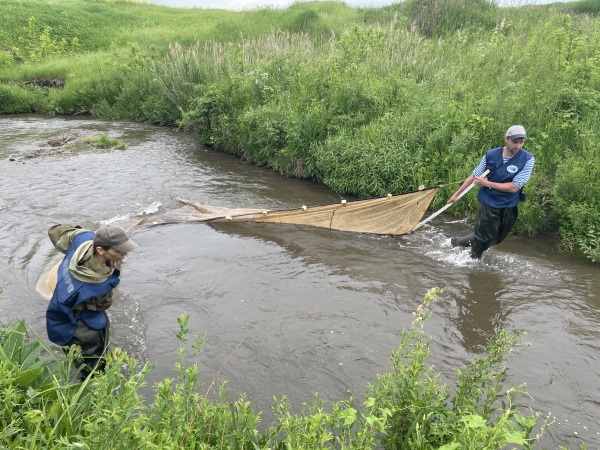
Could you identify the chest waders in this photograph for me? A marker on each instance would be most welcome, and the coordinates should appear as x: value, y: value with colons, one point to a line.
x: 68, y: 321
x: 497, y: 211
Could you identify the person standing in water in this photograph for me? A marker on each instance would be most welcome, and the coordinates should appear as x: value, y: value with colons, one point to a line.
x: 85, y: 280
x: 501, y: 191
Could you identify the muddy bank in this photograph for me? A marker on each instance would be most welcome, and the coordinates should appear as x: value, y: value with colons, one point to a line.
x: 62, y: 145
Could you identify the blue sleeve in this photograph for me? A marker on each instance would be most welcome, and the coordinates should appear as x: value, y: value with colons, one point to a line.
x: 480, y: 168
x: 522, y: 177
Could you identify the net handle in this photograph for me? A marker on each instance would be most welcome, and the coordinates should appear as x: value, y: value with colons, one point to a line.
x: 441, y: 210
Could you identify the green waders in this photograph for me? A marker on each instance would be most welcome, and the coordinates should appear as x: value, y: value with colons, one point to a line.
x: 492, y: 225
x: 93, y: 346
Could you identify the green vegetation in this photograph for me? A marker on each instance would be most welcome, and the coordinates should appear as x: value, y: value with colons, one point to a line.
x: 369, y: 101
x: 42, y: 406
x: 104, y: 142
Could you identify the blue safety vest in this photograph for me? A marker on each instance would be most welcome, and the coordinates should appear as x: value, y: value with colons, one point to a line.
x: 501, y: 172
x: 69, y: 292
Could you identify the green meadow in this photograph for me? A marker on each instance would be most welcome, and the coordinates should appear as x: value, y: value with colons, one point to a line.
x: 369, y: 101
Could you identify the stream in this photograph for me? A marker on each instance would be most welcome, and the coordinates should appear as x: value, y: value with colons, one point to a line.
x: 326, y: 305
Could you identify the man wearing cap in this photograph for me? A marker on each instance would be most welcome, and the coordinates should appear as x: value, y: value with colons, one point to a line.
x: 85, y: 280
x: 501, y: 191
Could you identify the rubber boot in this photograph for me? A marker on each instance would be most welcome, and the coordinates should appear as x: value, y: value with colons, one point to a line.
x: 464, y: 241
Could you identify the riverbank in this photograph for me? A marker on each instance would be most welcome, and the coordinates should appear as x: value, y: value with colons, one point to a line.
x: 369, y: 101
x: 44, y: 406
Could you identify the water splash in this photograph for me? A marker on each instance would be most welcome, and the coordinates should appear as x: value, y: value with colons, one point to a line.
x: 151, y: 209
x: 433, y: 243
x: 127, y: 328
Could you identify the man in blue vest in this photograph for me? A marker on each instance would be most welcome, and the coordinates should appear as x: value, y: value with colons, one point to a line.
x: 85, y: 280
x: 500, y: 192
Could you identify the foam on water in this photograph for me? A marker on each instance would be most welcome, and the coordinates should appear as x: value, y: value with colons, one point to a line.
x: 128, y: 328
x: 150, y: 209
x: 7, y: 206
x: 433, y: 243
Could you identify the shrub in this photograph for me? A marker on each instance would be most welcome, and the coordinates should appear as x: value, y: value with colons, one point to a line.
x: 577, y: 204
x: 14, y: 99
x: 104, y: 142
x: 408, y: 407
x: 6, y: 59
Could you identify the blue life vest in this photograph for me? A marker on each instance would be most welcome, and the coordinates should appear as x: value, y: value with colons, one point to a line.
x: 69, y: 292
x: 501, y: 172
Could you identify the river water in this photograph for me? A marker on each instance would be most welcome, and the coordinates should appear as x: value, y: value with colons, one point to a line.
x: 326, y: 305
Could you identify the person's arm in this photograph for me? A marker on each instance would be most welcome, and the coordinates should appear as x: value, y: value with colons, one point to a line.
x: 479, y: 170
x: 502, y: 187
x: 62, y: 236
x: 513, y: 186
x: 523, y: 176
x: 465, y: 185
x: 100, y: 303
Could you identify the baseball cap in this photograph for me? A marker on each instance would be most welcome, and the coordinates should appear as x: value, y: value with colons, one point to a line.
x: 115, y: 237
x: 515, y: 132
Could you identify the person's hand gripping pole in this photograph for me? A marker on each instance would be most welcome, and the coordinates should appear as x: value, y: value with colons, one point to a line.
x: 466, y: 187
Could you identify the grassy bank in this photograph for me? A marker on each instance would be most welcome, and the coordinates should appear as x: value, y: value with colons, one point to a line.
x: 367, y: 100
x: 43, y: 406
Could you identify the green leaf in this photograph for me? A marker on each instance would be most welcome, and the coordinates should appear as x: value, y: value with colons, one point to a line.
x: 370, y: 402
x: 515, y: 437
x: 526, y: 422
x: 451, y: 446
x: 5, y: 359
x: 349, y: 416
x: 48, y: 374
x: 473, y: 421
x: 34, y: 415
x: 28, y: 376
x: 15, y: 342
x: 54, y: 409
x: 37, y: 364
x: 31, y: 353
x: 8, y: 432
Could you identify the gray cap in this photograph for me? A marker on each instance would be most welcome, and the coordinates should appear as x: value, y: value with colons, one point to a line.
x: 115, y: 237
x: 515, y: 132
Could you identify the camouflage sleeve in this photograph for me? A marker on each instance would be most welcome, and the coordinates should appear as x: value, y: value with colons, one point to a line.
x: 62, y: 236
x: 101, y: 303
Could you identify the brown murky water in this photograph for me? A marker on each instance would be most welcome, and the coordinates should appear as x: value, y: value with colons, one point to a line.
x: 328, y: 304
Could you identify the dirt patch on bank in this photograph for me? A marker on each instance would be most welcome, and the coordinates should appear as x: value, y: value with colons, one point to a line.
x: 43, y: 153
x: 71, y: 137
x: 46, y: 82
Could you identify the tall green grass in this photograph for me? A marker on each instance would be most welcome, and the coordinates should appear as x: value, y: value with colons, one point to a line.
x: 369, y: 100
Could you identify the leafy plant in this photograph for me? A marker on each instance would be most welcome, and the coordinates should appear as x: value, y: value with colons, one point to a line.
x: 408, y: 408
x: 104, y: 142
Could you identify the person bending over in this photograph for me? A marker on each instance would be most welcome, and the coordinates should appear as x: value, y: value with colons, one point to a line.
x: 501, y: 191
x: 85, y: 280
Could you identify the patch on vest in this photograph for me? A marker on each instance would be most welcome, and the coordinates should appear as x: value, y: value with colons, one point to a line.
x: 512, y: 169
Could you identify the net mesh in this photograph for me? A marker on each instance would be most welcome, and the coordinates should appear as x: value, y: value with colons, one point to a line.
x: 394, y: 215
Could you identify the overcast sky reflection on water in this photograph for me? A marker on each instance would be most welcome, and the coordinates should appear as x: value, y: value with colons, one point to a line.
x: 250, y: 4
